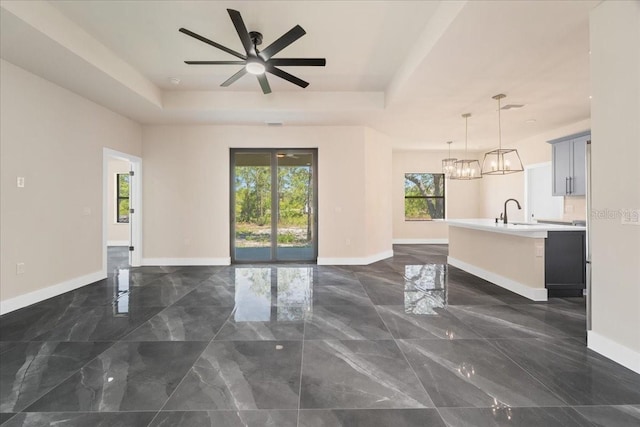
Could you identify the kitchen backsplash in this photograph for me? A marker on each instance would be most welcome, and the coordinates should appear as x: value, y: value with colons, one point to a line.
x: 575, y: 208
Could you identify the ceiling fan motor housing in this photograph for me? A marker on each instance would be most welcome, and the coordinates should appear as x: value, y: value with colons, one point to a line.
x: 256, y: 38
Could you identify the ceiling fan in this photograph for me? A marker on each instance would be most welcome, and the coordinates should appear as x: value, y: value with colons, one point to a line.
x: 258, y: 62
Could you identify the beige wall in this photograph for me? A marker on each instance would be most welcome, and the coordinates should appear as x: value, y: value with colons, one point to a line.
x: 378, y: 201
x: 186, y: 187
x: 462, y: 197
x: 513, y: 257
x: 54, y: 139
x: 498, y: 188
x: 116, y: 232
x: 615, y: 165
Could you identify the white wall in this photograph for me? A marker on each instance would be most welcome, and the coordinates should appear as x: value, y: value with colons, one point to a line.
x: 117, y: 232
x: 186, y: 189
x: 54, y: 138
x: 462, y: 198
x: 615, y: 165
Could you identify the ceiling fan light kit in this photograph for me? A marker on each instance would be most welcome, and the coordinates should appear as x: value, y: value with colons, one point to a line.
x: 258, y: 62
x: 501, y: 161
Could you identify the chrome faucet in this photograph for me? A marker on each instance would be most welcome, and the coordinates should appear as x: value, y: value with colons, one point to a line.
x: 505, y: 208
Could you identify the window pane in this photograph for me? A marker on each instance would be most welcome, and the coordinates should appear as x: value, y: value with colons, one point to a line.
x: 123, y: 210
x: 423, y: 184
x: 423, y: 209
x: 123, y: 185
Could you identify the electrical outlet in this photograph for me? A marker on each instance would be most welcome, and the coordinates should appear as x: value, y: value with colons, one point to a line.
x: 539, y: 251
x: 347, y: 242
x: 20, y: 182
x: 20, y: 269
x: 86, y: 211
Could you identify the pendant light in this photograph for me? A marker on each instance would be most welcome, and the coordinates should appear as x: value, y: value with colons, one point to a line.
x: 449, y: 164
x: 466, y: 169
x: 501, y: 161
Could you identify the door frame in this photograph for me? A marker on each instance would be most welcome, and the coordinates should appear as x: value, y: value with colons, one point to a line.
x: 135, y: 203
x: 527, y: 179
x: 274, y: 202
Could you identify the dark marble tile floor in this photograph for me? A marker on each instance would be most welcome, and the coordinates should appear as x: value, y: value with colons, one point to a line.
x: 407, y: 341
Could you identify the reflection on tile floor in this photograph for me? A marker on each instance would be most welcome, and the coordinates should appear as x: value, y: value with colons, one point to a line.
x: 407, y: 341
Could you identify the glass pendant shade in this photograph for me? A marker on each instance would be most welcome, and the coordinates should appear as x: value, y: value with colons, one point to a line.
x: 449, y: 164
x: 469, y: 168
x: 501, y: 161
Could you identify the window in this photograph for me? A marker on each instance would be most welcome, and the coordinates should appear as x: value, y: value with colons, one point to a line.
x: 122, y: 200
x: 423, y: 196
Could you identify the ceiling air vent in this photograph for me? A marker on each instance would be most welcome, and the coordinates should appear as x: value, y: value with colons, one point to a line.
x: 512, y: 106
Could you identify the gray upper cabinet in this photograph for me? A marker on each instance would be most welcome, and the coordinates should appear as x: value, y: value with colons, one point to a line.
x: 569, y: 165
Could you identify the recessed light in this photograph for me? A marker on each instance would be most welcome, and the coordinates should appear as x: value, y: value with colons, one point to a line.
x: 530, y: 121
x: 273, y: 123
x: 174, y: 81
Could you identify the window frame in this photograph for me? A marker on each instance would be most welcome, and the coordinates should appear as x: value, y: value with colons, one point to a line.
x: 119, y: 197
x: 444, y: 192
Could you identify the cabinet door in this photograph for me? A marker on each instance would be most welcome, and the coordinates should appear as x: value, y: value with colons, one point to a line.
x: 578, y: 185
x: 561, y: 167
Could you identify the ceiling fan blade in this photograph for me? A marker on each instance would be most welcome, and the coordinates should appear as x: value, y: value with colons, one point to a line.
x: 212, y: 43
x: 235, y: 77
x: 241, y: 29
x: 215, y: 62
x: 285, y: 40
x: 264, y: 83
x: 288, y: 77
x: 298, y: 62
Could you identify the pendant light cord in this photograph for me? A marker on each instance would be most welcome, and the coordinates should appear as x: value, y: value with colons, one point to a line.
x: 466, y: 135
x: 499, y: 127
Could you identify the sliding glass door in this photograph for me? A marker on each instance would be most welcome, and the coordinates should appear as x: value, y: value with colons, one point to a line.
x: 273, y: 200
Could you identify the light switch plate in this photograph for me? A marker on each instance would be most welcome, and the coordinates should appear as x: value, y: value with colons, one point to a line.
x: 20, y: 182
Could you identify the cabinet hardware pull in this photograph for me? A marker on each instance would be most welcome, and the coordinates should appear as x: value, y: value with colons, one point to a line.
x: 570, y: 185
x: 566, y: 185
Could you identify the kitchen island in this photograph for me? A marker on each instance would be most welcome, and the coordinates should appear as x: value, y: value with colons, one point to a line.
x: 528, y: 259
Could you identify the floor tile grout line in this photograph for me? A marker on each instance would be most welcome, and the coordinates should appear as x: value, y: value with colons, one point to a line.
x: 192, y: 365
x: 113, y: 343
x: 304, y: 328
x: 530, y: 374
x: 415, y: 374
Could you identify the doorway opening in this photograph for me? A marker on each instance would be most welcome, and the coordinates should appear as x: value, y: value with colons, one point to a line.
x: 539, y: 202
x: 122, y: 230
x: 274, y: 205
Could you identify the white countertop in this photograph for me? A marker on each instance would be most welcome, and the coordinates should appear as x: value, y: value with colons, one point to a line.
x: 531, y: 230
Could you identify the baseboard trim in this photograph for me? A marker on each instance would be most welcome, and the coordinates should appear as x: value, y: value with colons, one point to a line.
x: 614, y: 351
x: 535, y: 294
x: 356, y: 261
x: 25, y: 300
x: 185, y: 261
x: 420, y: 241
x: 117, y: 243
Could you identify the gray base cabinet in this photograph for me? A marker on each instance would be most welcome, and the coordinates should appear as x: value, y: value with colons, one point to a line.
x: 569, y: 157
x: 565, y: 263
